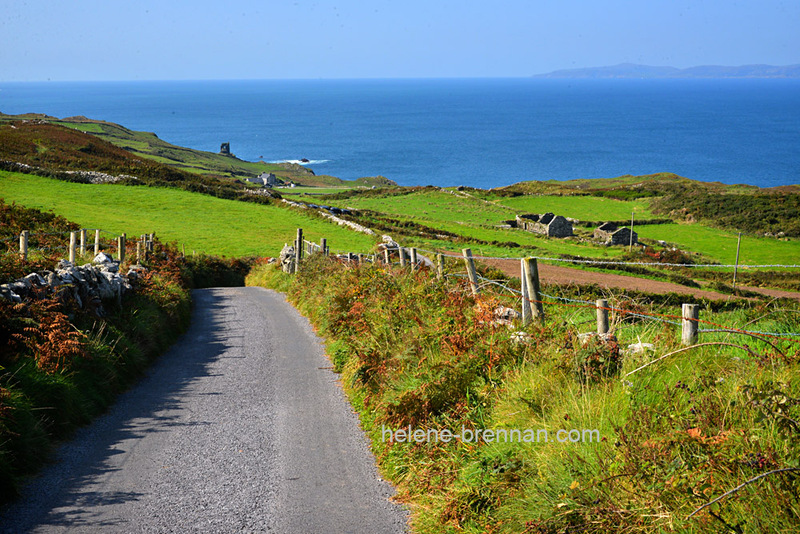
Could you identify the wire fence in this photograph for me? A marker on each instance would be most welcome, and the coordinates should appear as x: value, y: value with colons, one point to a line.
x: 397, y: 255
x: 73, y: 243
x: 626, y: 263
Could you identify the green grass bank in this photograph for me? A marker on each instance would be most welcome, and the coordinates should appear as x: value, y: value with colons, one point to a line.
x: 423, y: 354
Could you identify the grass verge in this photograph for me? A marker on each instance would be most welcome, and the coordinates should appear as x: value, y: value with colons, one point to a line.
x: 61, y: 365
x: 650, y: 445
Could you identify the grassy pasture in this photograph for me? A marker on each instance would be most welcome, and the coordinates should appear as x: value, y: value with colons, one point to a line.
x: 580, y: 207
x: 478, y: 219
x: 203, y: 223
x: 721, y: 244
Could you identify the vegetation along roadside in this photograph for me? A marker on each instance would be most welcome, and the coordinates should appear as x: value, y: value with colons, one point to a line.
x: 670, y: 428
x: 63, y: 360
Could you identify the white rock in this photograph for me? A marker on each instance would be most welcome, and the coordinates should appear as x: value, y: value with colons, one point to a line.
x: 102, y: 257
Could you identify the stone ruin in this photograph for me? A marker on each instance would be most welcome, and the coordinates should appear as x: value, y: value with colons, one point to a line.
x: 611, y: 234
x: 225, y: 149
x: 547, y: 224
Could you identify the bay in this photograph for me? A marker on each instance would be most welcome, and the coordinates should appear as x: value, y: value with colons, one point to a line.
x: 474, y: 132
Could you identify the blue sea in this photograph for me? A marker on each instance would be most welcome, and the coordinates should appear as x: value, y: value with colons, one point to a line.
x: 475, y: 132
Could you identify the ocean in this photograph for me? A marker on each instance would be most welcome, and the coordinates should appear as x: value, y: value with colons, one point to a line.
x: 474, y: 132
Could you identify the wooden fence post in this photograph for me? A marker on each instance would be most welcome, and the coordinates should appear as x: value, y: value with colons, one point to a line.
x: 323, y: 245
x: 121, y: 248
x: 83, y: 242
x: 23, y: 245
x: 97, y: 241
x: 532, y: 286
x: 602, y: 316
x: 386, y: 259
x: 691, y: 315
x: 471, y: 273
x: 413, y: 259
x: 402, y: 254
x: 526, y: 303
x: 139, y: 252
x: 73, y: 237
x: 298, y: 250
x: 736, y: 266
x: 439, y: 265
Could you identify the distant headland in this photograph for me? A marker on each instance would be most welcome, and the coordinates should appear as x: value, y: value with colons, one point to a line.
x: 632, y: 70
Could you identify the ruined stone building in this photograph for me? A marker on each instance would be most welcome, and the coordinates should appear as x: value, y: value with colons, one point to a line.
x: 546, y: 224
x: 267, y: 179
x: 611, y: 234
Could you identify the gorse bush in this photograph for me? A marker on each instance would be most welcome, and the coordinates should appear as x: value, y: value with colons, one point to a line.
x: 644, y: 451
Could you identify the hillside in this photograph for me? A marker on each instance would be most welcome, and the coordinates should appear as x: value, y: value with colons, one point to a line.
x: 731, y: 207
x: 202, y: 223
x: 148, y: 146
x: 632, y: 70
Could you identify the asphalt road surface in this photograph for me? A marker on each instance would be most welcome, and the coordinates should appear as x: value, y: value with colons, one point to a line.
x: 241, y: 427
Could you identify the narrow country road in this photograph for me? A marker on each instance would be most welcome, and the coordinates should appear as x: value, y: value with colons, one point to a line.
x: 241, y: 427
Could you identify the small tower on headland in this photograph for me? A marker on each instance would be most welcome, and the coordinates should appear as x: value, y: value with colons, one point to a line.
x: 225, y: 149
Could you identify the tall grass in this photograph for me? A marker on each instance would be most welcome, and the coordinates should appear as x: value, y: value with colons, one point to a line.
x: 416, y: 351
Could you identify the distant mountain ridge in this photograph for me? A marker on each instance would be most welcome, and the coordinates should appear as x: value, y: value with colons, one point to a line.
x: 632, y: 70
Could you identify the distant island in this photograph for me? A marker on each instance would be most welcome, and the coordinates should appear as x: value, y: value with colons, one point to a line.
x: 632, y: 70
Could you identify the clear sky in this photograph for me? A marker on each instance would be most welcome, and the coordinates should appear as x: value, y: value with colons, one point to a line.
x: 254, y: 39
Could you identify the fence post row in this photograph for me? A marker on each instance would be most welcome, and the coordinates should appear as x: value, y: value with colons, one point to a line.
x: 471, y: 273
x: 691, y: 315
x: 532, y: 286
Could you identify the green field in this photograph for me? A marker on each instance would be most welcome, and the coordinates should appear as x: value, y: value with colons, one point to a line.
x: 467, y: 215
x: 721, y: 244
x: 203, y: 223
x: 579, y: 207
x: 434, y: 205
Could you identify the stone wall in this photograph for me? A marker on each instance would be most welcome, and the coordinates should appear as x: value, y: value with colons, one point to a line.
x: 90, y: 284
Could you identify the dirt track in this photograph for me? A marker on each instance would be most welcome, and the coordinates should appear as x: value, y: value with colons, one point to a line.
x: 554, y: 274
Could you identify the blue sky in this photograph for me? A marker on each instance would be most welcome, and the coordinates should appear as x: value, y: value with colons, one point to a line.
x: 178, y: 39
